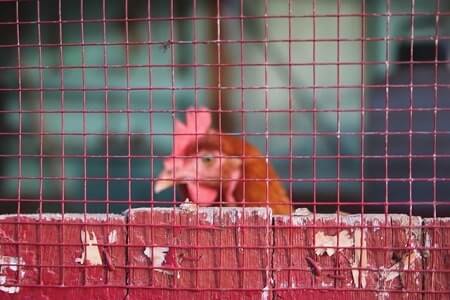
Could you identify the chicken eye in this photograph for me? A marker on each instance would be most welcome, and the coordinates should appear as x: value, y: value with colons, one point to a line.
x: 207, y: 159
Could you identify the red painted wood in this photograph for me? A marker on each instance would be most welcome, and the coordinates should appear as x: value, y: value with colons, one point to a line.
x: 222, y: 251
x: 47, y: 247
x: 226, y: 253
x: 437, y: 258
x: 297, y: 266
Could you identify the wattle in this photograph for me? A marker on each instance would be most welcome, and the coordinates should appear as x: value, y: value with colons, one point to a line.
x: 200, y: 194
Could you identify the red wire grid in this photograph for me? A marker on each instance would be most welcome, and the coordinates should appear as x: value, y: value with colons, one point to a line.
x: 347, y: 100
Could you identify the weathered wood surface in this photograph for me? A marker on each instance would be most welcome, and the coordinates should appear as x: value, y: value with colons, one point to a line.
x: 41, y: 257
x: 437, y: 258
x: 376, y: 256
x: 223, y: 253
x: 206, y: 249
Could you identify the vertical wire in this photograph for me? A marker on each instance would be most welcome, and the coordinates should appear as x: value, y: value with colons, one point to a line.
x: 197, y: 183
x: 338, y: 108
x: 127, y: 68
x: 106, y: 103
x: 172, y: 66
x: 242, y: 82
x: 106, y: 120
x: 387, y: 108
x: 84, y: 110
x: 362, y: 104
x: 266, y: 129
x: 84, y: 143
x: 219, y: 112
x: 314, y: 115
x: 437, y: 67
x: 266, y: 98
x: 41, y: 108
x: 362, y: 127
x: 41, y: 139
x: 242, y: 104
x: 195, y: 58
x: 338, y: 124
x: 290, y: 133
x: 63, y: 175
x: 386, y: 124
x: 410, y: 108
x: 219, y: 89
x: 20, y: 154
x: 314, y: 110
x: 152, y: 153
x: 173, y: 99
x: 435, y: 104
x: 151, y: 108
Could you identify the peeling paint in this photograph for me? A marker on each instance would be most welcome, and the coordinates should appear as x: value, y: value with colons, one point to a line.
x: 301, y: 217
x: 235, y: 216
x: 328, y: 243
x: 10, y: 262
x: 261, y: 212
x: 326, y: 285
x: 69, y: 216
x: 207, y: 215
x: 395, y: 270
x: 7, y: 289
x: 265, y: 293
x: 112, y: 237
x: 91, y: 253
x: 427, y: 245
x: 188, y: 206
x: 158, y: 256
x: 360, y: 259
x: 285, y: 284
x: 302, y: 212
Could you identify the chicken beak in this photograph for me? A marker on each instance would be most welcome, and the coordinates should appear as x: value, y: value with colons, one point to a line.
x: 164, y: 181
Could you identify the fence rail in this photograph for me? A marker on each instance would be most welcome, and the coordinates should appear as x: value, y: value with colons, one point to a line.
x: 223, y: 253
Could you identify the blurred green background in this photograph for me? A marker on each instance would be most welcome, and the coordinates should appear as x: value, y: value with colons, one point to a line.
x: 87, y: 115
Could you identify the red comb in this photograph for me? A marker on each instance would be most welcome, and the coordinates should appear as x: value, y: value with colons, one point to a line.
x: 197, y: 124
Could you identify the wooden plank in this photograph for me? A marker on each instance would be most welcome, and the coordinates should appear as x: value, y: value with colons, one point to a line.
x: 380, y: 258
x: 224, y: 253
x: 437, y: 258
x: 39, y: 255
x: 207, y: 253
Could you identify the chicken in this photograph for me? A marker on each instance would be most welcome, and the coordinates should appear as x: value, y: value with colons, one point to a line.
x: 214, y: 168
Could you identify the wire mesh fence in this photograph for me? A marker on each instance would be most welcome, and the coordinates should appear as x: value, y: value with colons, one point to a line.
x: 225, y: 149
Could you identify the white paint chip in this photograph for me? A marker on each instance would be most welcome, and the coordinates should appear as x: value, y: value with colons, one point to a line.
x: 303, y: 211
x: 112, y: 237
x: 7, y: 289
x: 265, y: 293
x: 10, y: 262
x: 157, y: 256
x: 188, y: 206
x: 328, y: 243
x: 395, y: 270
x: 91, y: 253
x: 360, y: 259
